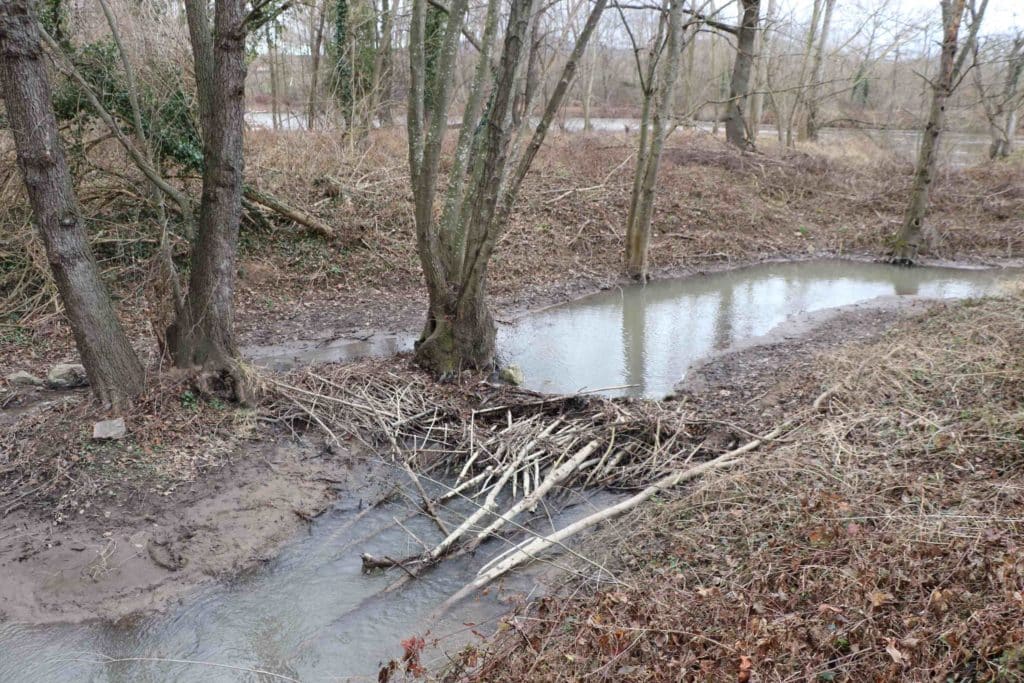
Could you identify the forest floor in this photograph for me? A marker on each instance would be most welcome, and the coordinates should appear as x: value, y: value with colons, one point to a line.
x: 202, y: 489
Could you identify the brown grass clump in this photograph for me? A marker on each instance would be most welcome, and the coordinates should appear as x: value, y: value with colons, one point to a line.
x: 885, y: 541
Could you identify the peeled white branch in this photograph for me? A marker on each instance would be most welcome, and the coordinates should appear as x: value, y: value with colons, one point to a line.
x: 530, y: 549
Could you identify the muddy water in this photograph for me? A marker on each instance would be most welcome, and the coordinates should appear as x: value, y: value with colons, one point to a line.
x: 310, y: 615
x: 646, y: 337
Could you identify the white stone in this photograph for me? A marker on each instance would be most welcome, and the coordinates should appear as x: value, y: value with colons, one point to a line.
x: 66, y: 376
x: 110, y: 429
x: 24, y: 379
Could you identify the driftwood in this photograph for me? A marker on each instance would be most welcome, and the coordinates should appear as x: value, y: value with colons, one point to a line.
x: 530, y: 549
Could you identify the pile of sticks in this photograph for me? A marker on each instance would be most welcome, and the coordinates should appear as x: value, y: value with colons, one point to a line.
x: 506, y: 450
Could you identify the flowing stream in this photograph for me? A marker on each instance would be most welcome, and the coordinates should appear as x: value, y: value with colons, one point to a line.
x: 312, y: 615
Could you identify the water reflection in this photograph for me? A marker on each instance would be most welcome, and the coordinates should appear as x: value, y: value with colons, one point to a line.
x: 667, y: 325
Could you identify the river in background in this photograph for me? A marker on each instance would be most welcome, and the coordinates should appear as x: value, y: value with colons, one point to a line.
x: 956, y: 148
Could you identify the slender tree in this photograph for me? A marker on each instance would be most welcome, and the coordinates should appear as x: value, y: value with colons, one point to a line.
x: 1003, y: 107
x: 796, y: 99
x: 114, y: 371
x: 764, y: 52
x: 813, y: 99
x: 736, y: 131
x: 314, y: 68
x: 661, y: 90
x: 911, y: 236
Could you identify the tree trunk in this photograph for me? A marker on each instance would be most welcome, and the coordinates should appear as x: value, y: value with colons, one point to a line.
x: 739, y: 86
x: 638, y: 231
x: 910, y: 238
x: 114, y: 371
x: 764, y: 50
x: 314, y: 76
x: 379, y: 91
x: 796, y: 100
x: 1003, y: 121
x: 588, y: 91
x: 458, y: 335
x: 275, y: 106
x: 204, y: 335
x: 486, y: 173
x: 817, y: 74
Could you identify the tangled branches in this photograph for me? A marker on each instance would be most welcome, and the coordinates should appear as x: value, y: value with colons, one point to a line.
x: 502, y: 444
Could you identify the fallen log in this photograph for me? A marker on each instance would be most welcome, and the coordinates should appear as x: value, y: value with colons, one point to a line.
x: 304, y: 219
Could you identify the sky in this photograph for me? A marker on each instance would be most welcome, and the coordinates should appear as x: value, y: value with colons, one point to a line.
x: 1002, y: 16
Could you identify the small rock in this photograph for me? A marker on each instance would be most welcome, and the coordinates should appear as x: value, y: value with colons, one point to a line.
x: 512, y: 374
x: 109, y: 429
x: 77, y: 546
x: 66, y: 376
x: 24, y: 379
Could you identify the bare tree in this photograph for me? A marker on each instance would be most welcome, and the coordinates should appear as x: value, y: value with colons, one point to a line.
x: 763, y: 59
x: 1002, y: 108
x: 487, y: 171
x: 654, y: 128
x: 320, y: 12
x: 813, y: 97
x: 114, y: 371
x: 911, y: 236
x: 736, y: 131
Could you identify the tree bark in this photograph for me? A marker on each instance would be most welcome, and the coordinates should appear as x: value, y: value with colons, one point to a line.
x: 114, y: 371
x: 739, y: 86
x: 1003, y: 118
x: 203, y: 336
x: 488, y: 167
x: 796, y: 100
x: 764, y: 58
x: 910, y: 238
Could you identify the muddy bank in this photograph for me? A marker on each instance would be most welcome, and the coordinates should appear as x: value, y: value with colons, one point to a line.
x: 760, y: 381
x: 112, y: 545
x: 111, y: 560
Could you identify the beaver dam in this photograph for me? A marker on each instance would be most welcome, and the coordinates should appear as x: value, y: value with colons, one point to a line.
x: 473, y: 481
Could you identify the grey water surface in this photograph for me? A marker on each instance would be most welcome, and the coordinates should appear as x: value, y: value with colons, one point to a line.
x: 647, y: 336
x: 309, y: 615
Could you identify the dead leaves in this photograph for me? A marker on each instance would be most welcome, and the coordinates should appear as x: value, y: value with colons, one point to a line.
x: 746, y: 665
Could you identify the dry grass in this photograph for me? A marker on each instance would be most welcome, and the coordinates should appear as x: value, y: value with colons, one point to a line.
x: 883, y: 543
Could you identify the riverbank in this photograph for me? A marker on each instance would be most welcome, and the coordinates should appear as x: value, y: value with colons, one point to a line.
x: 881, y: 540
x: 200, y: 491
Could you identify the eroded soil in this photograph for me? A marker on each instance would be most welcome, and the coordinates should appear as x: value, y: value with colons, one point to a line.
x: 112, y: 560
